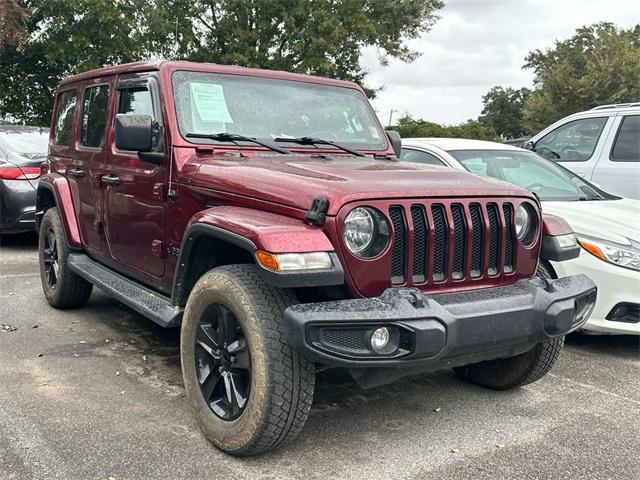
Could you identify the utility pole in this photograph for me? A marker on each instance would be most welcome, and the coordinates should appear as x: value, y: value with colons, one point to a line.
x: 391, y: 116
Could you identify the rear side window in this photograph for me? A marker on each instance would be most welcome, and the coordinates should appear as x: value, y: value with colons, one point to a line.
x: 94, y: 116
x: 418, y: 156
x: 572, y: 142
x: 626, y: 147
x: 63, y: 126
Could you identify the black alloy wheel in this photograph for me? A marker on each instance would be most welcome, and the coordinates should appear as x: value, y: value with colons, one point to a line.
x: 50, y: 259
x: 223, y: 362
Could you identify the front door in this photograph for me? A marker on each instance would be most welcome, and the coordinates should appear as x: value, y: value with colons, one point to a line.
x: 136, y: 191
x: 576, y: 144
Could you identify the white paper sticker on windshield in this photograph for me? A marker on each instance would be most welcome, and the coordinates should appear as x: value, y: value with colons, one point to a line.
x: 210, y: 103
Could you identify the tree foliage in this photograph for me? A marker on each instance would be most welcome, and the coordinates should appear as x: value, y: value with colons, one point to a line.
x: 322, y: 37
x: 600, y: 64
x: 502, y: 112
x: 408, y: 127
x: 13, y: 18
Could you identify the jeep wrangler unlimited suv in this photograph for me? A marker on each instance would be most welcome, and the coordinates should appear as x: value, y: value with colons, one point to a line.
x: 267, y: 214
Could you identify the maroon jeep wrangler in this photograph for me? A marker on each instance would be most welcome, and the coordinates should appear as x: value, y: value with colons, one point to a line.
x: 267, y: 214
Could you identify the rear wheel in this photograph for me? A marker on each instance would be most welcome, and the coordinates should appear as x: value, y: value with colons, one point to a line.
x: 507, y: 373
x: 62, y: 287
x: 249, y: 390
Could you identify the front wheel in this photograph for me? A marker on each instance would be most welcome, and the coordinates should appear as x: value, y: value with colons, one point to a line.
x: 250, y: 392
x: 508, y: 373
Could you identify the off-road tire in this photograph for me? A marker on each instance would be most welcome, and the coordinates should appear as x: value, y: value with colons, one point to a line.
x: 70, y: 290
x: 507, y: 373
x: 282, y: 381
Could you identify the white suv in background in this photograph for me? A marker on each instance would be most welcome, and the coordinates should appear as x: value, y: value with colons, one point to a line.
x: 601, y: 145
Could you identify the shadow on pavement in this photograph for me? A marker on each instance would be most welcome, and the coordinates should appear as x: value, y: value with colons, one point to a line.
x: 614, y: 345
x: 19, y: 241
x: 333, y: 386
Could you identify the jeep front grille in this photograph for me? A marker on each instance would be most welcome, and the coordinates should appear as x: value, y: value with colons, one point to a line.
x: 451, y: 241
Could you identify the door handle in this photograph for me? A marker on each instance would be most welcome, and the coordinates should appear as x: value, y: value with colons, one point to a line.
x: 110, y: 179
x: 76, y: 172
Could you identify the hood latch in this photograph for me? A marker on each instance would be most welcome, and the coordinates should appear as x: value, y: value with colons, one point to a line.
x: 317, y: 212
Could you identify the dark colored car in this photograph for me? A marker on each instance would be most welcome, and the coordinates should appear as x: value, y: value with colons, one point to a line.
x: 22, y: 151
x: 267, y: 214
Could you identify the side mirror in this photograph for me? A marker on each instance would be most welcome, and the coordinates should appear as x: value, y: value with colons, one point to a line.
x: 134, y: 132
x: 396, y: 142
x: 529, y: 145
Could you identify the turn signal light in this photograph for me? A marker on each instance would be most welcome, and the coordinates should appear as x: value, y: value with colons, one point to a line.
x: 268, y: 260
x: 593, y: 250
x: 294, y: 262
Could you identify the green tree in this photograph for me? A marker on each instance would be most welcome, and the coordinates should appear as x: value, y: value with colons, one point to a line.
x: 502, y: 110
x: 600, y: 64
x: 408, y: 127
x: 321, y: 37
x: 13, y: 18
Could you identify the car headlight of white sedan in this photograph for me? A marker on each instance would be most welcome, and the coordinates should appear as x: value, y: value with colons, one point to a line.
x: 627, y: 256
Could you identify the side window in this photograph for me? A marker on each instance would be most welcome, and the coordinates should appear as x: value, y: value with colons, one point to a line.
x: 418, y: 156
x: 136, y: 100
x: 63, y: 125
x: 94, y: 116
x: 572, y: 142
x: 626, y: 147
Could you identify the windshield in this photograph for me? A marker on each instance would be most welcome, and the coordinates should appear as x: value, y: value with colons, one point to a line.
x: 27, y: 141
x: 266, y: 109
x: 547, y: 179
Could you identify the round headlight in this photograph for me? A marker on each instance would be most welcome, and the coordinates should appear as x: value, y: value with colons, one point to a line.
x: 525, y: 223
x: 365, y: 232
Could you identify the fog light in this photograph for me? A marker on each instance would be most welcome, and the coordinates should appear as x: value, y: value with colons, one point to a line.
x: 380, y: 339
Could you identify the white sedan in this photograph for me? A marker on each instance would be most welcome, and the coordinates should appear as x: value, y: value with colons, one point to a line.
x: 607, y: 226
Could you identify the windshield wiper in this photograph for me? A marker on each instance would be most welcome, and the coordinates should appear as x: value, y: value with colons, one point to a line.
x: 318, y: 141
x: 235, y: 137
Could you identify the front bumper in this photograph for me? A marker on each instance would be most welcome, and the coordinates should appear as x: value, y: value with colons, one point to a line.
x: 437, y: 331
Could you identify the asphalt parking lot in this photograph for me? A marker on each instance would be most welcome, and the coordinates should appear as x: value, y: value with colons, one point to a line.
x: 96, y: 393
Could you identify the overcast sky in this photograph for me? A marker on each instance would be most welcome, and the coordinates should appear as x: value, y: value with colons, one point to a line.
x: 477, y: 44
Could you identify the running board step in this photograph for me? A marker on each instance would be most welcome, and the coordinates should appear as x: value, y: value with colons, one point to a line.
x: 146, y: 302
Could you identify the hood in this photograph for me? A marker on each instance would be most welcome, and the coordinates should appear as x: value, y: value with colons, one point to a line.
x: 295, y: 180
x: 613, y: 220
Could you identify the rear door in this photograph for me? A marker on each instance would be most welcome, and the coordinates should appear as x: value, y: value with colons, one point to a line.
x: 577, y: 143
x: 136, y: 191
x: 618, y: 171
x: 89, y: 161
x: 62, y: 146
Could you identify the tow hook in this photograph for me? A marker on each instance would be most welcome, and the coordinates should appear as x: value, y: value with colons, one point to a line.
x: 414, y: 297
